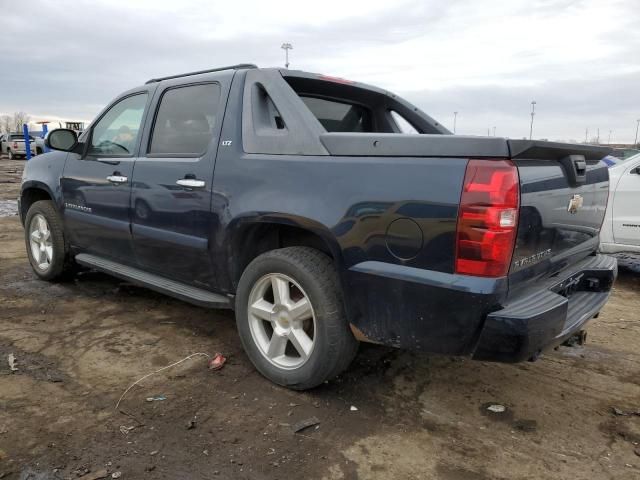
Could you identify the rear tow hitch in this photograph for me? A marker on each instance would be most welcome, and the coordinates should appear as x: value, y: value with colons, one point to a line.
x: 577, y: 339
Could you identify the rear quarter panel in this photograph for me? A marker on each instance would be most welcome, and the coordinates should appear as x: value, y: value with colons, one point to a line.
x: 353, y: 200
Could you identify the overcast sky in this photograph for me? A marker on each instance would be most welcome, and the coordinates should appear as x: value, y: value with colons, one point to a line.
x: 578, y: 59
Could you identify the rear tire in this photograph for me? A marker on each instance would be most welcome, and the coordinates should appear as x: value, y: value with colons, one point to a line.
x: 46, y: 246
x: 10, y: 154
x: 300, y: 338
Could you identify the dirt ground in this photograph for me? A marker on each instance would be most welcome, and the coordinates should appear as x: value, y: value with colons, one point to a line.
x: 79, y: 345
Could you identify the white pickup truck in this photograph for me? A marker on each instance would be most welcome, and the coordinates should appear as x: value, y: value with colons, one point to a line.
x: 621, y: 228
x: 13, y: 145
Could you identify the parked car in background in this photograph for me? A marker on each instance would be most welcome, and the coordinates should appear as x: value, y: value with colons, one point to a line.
x: 323, y: 224
x: 625, y: 153
x: 13, y: 145
x: 39, y: 145
x: 621, y: 228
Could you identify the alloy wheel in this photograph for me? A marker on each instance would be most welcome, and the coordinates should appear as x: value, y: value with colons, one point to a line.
x: 282, y: 321
x: 40, y: 242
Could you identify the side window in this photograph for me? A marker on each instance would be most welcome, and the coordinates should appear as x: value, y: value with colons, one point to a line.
x: 403, y: 125
x: 117, y: 131
x: 185, y: 120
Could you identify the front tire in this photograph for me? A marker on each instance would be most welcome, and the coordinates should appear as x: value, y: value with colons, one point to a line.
x: 291, y: 319
x: 44, y: 238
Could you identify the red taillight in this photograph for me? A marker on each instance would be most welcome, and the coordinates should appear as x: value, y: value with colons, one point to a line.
x: 15, y: 145
x: 488, y: 218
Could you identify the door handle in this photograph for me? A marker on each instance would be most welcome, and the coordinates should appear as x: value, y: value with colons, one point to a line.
x: 191, y: 183
x: 117, y: 179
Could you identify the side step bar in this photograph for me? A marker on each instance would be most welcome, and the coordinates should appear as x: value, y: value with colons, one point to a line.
x: 190, y: 294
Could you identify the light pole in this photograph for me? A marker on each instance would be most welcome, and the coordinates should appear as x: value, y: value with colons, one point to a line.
x: 455, y: 118
x: 533, y: 112
x: 609, y: 140
x: 635, y: 142
x: 494, y: 131
x: 586, y: 135
x: 286, y: 47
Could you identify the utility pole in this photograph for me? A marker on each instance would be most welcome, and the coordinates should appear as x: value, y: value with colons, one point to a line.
x: 586, y: 135
x: 635, y: 142
x: 609, y: 141
x: 488, y: 132
x: 533, y: 112
x: 286, y: 47
x: 494, y: 131
x: 455, y: 117
x: 598, y: 137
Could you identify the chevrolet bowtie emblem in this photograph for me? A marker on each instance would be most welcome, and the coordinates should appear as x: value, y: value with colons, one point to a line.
x: 575, y: 202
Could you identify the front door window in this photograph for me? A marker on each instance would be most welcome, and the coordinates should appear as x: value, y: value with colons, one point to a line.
x: 117, y: 132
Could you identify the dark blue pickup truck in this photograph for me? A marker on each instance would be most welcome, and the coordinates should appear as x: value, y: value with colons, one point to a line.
x: 325, y: 212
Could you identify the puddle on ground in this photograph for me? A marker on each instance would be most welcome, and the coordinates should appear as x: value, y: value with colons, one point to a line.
x: 8, y: 208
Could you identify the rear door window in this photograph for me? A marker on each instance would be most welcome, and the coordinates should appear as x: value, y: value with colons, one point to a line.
x: 338, y: 116
x: 185, y: 120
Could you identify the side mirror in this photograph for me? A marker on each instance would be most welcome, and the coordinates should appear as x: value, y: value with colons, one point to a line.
x: 61, y: 139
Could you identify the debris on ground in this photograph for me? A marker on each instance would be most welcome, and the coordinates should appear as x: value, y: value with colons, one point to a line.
x: 12, y: 362
x: 353, y: 408
x: 306, y: 423
x: 525, y: 425
x: 198, y: 354
x: 95, y: 475
x: 497, y: 408
x: 157, y: 398
x: 54, y: 378
x: 624, y: 413
x: 116, y: 474
x: 217, y: 362
x: 191, y: 424
x: 125, y: 430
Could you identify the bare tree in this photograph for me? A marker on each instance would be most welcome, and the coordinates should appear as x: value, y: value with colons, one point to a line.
x: 19, y: 119
x: 5, y: 124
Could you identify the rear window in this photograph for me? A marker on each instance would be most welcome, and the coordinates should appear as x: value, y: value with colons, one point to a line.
x: 336, y: 116
x: 344, y: 106
x: 185, y: 120
x: 18, y: 137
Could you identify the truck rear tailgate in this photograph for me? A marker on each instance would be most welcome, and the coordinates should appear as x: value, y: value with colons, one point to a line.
x: 563, y: 197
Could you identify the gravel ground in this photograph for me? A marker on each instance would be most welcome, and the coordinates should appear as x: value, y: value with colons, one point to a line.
x: 79, y: 345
